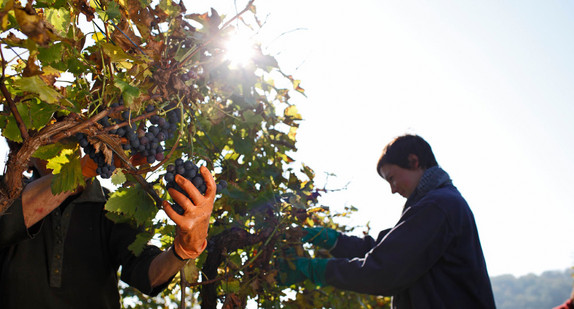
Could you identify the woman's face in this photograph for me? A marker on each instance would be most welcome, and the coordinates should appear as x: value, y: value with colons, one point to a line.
x: 402, y: 181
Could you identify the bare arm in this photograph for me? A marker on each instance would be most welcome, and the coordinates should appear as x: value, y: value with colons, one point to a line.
x: 38, y: 200
x: 163, y: 267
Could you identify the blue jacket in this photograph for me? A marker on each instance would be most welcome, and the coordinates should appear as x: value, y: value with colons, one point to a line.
x: 432, y: 258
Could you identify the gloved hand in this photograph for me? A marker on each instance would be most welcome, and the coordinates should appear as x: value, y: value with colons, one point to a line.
x: 321, y: 237
x: 298, y: 269
x: 191, y: 236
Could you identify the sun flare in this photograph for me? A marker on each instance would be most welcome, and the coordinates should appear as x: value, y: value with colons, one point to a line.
x: 239, y: 50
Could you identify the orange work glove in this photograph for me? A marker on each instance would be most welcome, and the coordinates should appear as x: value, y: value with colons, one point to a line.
x: 191, y: 236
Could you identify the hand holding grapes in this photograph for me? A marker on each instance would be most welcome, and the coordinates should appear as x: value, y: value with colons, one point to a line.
x: 192, y: 226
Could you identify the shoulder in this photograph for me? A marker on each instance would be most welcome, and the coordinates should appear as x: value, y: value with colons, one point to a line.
x: 446, y: 200
x: 447, y: 196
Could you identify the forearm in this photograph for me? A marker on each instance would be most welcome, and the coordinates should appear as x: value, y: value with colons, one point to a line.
x: 38, y: 200
x: 164, y: 267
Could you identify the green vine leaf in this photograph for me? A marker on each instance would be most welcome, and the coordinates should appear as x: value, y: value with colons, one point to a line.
x: 67, y: 170
x: 35, y: 115
x: 129, y: 92
x: 132, y: 202
x: 47, y: 152
x: 140, y: 242
x: 36, y: 85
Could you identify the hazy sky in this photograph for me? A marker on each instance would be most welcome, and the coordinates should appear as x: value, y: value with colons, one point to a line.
x: 488, y: 84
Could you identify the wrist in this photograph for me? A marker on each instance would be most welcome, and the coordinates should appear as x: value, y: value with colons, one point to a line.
x: 188, y: 249
x: 177, y: 256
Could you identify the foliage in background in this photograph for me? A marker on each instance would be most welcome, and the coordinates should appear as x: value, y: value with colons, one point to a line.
x: 547, y: 290
x: 64, y: 66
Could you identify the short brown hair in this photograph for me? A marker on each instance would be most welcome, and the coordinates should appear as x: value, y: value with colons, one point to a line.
x: 397, y: 152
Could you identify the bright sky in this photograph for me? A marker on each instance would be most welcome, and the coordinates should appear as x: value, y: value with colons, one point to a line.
x: 488, y: 84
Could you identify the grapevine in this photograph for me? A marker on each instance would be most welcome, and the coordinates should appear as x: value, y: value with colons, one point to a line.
x: 151, y: 95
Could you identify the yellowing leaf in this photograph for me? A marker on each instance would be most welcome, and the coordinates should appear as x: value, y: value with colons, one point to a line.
x: 118, y: 178
x: 292, y: 113
x: 60, y: 19
x: 297, y: 86
x: 56, y: 163
x: 125, y: 65
x: 32, y: 25
x: 69, y: 172
x: 292, y: 133
x: 4, y: 21
x: 51, y: 71
x: 98, y: 36
x: 115, y: 53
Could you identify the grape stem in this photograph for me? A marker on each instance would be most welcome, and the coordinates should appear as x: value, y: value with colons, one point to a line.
x: 84, y: 124
x: 131, y: 120
x: 126, y: 162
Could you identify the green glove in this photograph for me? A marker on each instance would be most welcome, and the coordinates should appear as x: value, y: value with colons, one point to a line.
x: 321, y: 236
x: 296, y: 270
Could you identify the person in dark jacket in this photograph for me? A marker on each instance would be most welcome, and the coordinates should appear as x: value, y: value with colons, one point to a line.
x: 61, y: 251
x: 432, y: 258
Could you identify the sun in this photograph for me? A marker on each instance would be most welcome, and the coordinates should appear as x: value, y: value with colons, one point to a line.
x: 239, y: 50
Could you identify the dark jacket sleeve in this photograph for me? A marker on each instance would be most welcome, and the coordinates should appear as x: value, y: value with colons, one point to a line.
x: 352, y: 246
x: 403, y: 256
x: 12, y: 227
x: 135, y: 269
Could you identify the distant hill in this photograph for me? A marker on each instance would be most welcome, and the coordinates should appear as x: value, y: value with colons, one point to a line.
x: 548, y: 290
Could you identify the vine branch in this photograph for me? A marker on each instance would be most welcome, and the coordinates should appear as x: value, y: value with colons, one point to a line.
x: 11, y: 103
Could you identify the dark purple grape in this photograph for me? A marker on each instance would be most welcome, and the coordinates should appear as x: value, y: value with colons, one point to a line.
x: 190, y: 174
x: 188, y: 165
x: 197, y: 181
x: 151, y: 159
x: 170, y: 168
x: 154, y: 130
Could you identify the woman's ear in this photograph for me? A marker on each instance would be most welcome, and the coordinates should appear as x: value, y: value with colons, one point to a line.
x: 413, y: 161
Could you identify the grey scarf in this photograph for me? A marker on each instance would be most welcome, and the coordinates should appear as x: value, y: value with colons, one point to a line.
x: 433, y: 177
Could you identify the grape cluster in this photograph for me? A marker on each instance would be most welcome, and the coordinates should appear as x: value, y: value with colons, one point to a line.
x: 144, y: 140
x: 104, y: 169
x: 190, y: 171
x: 147, y: 141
